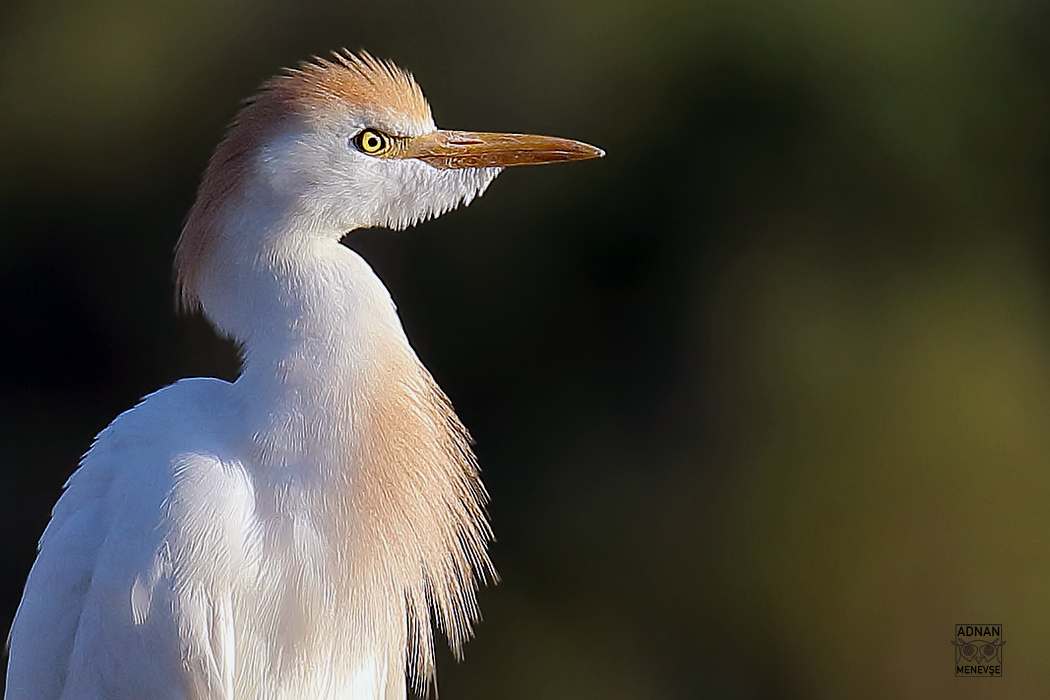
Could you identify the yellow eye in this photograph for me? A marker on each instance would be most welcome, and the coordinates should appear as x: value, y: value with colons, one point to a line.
x: 372, y: 142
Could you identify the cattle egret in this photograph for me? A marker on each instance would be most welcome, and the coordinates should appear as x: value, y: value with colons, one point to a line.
x: 296, y: 534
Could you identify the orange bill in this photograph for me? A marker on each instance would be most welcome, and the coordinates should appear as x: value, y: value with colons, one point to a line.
x: 472, y: 149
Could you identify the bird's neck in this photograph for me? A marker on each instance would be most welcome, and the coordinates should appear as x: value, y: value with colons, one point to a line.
x: 339, y: 413
x: 321, y: 338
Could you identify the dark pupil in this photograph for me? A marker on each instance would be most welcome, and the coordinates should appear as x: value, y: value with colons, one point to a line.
x: 372, y: 142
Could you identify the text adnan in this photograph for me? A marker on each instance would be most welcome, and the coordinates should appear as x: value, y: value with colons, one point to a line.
x: 979, y: 631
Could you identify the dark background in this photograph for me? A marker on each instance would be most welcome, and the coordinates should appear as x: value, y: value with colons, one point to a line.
x: 762, y: 398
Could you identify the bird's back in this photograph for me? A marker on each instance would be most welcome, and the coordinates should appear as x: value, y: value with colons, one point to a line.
x: 175, y: 568
x: 95, y: 620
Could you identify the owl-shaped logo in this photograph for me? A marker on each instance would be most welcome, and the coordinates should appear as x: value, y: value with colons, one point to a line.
x: 978, y: 650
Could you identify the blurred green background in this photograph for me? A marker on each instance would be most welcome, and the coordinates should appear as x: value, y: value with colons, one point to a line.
x: 762, y: 398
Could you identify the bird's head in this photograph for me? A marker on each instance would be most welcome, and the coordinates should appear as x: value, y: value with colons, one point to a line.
x: 340, y: 144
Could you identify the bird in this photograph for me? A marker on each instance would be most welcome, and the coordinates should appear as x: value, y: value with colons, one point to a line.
x: 301, y: 531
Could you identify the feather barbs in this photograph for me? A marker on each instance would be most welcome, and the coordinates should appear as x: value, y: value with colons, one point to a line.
x: 362, y: 82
